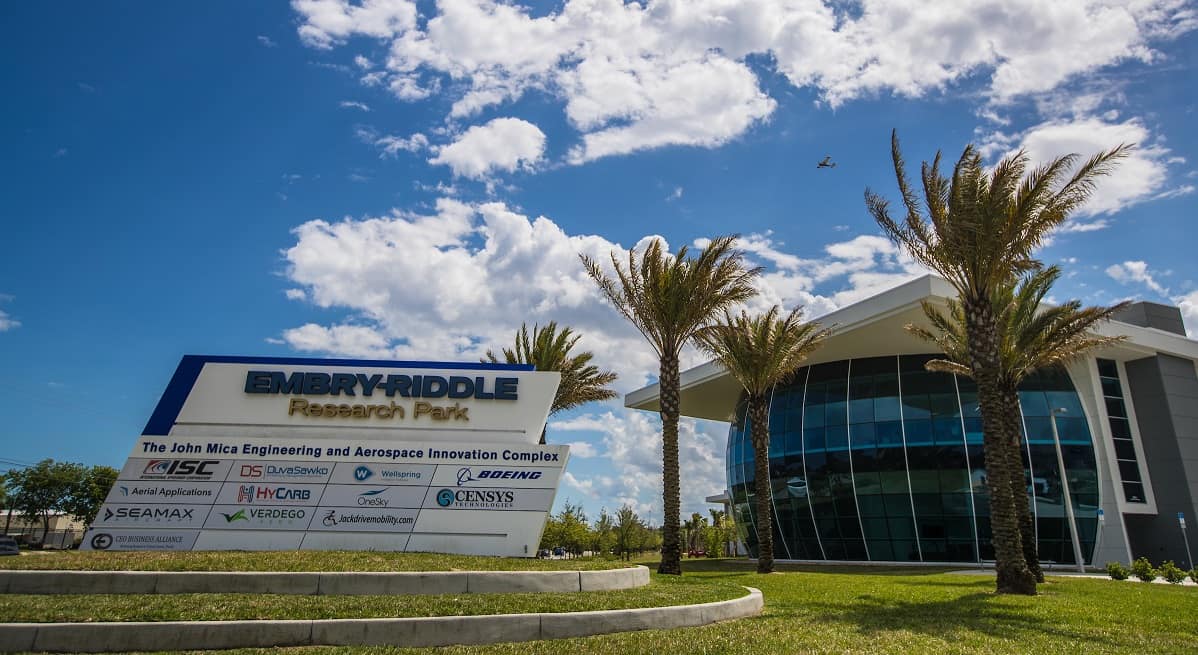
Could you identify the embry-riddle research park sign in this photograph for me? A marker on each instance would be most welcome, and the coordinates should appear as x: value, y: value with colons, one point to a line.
x: 279, y: 453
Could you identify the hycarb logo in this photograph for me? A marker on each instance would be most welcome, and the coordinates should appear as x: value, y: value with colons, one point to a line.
x: 373, y: 498
x: 489, y: 475
x: 250, y: 493
x: 445, y: 497
x: 162, y: 468
x: 362, y: 473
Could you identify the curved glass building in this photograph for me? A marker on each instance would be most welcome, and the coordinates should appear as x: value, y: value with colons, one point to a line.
x: 878, y: 459
x: 873, y: 458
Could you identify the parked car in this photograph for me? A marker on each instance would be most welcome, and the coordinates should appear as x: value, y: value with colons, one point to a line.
x: 559, y: 552
x: 8, y: 546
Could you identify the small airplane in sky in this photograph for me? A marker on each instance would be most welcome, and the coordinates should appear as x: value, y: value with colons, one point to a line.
x: 826, y: 163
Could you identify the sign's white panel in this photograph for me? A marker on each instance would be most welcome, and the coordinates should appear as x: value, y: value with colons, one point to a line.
x: 149, y: 515
x: 379, y: 496
x: 285, y: 453
x: 191, y: 493
x: 270, y: 493
x: 106, y: 539
x: 375, y: 473
x: 281, y: 471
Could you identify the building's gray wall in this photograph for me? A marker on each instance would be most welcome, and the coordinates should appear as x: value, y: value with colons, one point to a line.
x: 1153, y: 315
x: 1164, y: 390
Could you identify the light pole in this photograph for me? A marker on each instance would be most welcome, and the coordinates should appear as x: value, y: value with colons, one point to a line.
x: 1068, y: 501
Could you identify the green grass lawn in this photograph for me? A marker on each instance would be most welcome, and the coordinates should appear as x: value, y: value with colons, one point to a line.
x: 816, y: 610
x: 291, y: 560
x: 222, y: 607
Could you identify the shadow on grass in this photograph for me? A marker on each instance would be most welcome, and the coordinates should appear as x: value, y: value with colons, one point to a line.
x: 710, y: 567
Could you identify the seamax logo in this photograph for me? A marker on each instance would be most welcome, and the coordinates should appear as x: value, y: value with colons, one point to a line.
x: 405, y: 386
x: 163, y: 514
x: 490, y: 475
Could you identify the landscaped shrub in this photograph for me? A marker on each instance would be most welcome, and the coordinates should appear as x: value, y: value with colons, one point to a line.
x: 1194, y: 574
x: 1171, y: 573
x: 1117, y: 571
x: 1143, y: 570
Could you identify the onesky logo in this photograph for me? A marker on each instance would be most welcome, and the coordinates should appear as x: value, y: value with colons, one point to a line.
x: 373, y: 498
x: 362, y: 473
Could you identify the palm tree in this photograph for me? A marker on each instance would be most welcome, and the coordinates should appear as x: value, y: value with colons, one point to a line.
x: 1032, y: 337
x: 761, y: 352
x: 981, y: 231
x: 668, y: 299
x: 549, y: 350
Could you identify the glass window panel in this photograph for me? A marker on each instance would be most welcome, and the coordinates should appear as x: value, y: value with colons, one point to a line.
x: 973, y: 431
x: 860, y: 386
x: 1114, y: 407
x: 944, y: 404
x: 886, y: 384
x: 813, y: 439
x: 1120, y: 428
x: 890, y: 433
x: 871, y: 505
x: 1125, y: 449
x: 969, y: 401
x: 861, y: 410
x: 898, y: 505
x: 867, y: 483
x: 837, y: 437
x: 926, y: 504
x: 905, y: 551
x: 1073, y: 429
x: 1133, y: 492
x: 931, y: 528
x: 1038, y: 429
x: 915, y: 405
x: 954, y: 481
x: 875, y: 529
x: 886, y: 408
x: 901, y: 528
x: 1129, y: 471
x: 947, y: 431
x: 1112, y: 388
x: 880, y: 551
x: 919, y: 382
x: 893, y: 482
x: 919, y: 432
x: 864, y: 436
x: 956, y: 504
x: 1066, y: 400
x: 959, y: 528
x: 1107, y: 368
x: 1033, y: 403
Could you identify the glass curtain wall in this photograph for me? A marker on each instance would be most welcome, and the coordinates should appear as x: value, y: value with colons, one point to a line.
x: 879, y: 459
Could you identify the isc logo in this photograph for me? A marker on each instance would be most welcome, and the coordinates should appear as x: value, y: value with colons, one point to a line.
x: 194, y: 467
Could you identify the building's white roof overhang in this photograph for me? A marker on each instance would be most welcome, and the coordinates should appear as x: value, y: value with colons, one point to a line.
x: 875, y: 327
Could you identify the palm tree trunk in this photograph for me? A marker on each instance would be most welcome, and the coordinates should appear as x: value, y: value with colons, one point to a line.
x: 759, y: 419
x: 671, y: 548
x: 982, y: 331
x: 1027, y: 526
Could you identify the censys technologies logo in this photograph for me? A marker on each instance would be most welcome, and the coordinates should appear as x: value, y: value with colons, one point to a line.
x: 476, y: 498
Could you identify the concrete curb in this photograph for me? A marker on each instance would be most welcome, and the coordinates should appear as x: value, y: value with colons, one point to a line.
x: 357, y: 584
x: 414, y: 632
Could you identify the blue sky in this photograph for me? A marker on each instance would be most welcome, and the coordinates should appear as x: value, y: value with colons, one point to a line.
x: 412, y: 180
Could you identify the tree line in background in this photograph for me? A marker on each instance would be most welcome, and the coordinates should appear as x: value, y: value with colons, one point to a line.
x: 625, y: 535
x: 38, y: 491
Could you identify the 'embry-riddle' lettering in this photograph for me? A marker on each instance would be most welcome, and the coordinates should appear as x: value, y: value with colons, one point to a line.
x: 405, y: 386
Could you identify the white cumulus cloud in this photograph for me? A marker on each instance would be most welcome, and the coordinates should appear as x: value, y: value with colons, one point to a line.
x: 503, y: 144
x: 1135, y: 271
